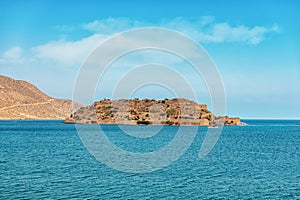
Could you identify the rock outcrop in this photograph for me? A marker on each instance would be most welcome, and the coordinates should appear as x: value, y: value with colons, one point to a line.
x: 144, y: 112
x: 22, y: 100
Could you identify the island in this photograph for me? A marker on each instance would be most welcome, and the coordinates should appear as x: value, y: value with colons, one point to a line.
x: 177, y: 112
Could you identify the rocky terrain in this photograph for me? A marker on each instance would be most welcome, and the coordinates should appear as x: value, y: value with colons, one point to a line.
x: 22, y: 100
x: 144, y: 112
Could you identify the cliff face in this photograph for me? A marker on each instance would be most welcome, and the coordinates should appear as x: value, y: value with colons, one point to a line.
x: 22, y: 100
x: 157, y: 112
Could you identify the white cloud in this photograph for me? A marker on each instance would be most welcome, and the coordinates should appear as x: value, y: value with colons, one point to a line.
x: 72, y: 53
x: 12, y: 55
x: 68, y: 53
x: 208, y: 31
x: 204, y: 29
x: 111, y: 25
x: 223, y: 32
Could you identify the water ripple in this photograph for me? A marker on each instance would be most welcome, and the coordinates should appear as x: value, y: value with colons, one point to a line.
x: 46, y: 160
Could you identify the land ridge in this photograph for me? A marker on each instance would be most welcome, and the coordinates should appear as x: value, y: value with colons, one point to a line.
x: 22, y: 100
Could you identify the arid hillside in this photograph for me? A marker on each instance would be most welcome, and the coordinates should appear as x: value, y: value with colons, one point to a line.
x: 22, y: 100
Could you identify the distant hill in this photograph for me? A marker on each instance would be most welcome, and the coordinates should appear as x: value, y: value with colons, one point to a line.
x: 176, y: 112
x: 22, y: 100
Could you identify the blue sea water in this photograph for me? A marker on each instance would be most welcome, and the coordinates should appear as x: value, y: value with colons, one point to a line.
x: 46, y: 159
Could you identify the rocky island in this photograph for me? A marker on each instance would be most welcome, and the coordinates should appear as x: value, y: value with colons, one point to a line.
x: 176, y: 111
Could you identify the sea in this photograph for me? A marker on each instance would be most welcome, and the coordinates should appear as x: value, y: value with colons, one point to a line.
x: 49, y: 160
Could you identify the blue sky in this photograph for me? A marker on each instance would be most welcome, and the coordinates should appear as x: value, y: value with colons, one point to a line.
x: 256, y: 46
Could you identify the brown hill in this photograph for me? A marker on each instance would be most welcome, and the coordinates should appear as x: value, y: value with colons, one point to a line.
x: 22, y: 100
x: 157, y: 112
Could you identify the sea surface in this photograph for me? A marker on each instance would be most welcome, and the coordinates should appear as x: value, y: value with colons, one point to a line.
x: 47, y: 159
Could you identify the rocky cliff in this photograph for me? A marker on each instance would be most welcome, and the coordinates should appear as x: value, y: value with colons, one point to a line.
x: 22, y: 100
x: 156, y: 112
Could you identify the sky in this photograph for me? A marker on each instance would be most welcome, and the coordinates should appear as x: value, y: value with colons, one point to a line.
x: 254, y: 45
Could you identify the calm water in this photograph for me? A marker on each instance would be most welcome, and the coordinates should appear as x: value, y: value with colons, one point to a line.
x: 46, y: 159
